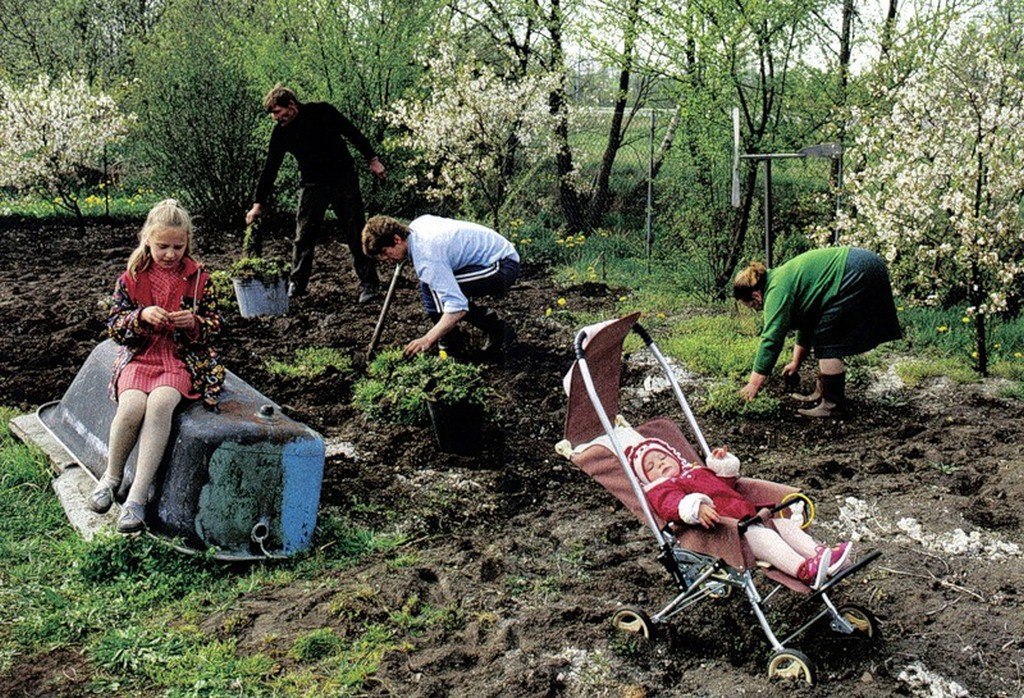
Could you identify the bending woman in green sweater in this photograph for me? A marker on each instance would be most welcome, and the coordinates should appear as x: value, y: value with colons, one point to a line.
x: 839, y: 301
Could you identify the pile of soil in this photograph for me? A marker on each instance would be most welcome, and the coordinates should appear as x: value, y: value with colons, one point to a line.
x: 527, y: 556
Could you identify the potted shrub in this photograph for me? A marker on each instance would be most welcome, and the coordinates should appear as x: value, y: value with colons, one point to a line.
x: 260, y: 283
x: 427, y: 389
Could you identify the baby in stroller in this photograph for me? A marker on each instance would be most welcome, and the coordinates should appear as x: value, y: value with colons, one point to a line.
x: 714, y: 529
x: 693, y: 494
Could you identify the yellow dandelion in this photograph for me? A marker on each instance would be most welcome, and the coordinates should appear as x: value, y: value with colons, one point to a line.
x: 622, y: 298
x: 1018, y: 355
x: 941, y: 328
x: 547, y: 313
x: 561, y: 302
x: 965, y: 319
x: 443, y: 355
x: 974, y: 354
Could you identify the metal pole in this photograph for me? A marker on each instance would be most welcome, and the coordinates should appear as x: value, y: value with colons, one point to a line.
x: 839, y: 193
x: 650, y: 192
x: 768, y: 213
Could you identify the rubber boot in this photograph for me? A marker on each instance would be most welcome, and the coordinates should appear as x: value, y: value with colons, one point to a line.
x: 833, y: 397
x: 498, y: 333
x: 813, y: 396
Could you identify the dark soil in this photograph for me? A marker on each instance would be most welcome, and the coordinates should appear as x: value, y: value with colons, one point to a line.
x: 529, y: 555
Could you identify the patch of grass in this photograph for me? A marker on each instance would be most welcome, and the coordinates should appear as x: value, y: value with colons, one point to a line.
x: 133, y: 606
x: 215, y: 668
x: 1013, y: 392
x: 310, y: 362
x: 723, y: 398
x: 720, y: 344
x: 1011, y: 370
x: 340, y: 545
x: 949, y: 333
x: 915, y: 371
x: 97, y: 201
x: 346, y: 672
x: 316, y: 645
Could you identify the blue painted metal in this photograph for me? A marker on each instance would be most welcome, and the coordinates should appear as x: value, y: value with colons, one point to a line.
x: 244, y: 482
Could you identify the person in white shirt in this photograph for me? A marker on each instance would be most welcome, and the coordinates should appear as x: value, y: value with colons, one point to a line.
x: 454, y: 261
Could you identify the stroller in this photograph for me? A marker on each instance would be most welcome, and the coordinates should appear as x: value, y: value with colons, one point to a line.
x: 701, y: 563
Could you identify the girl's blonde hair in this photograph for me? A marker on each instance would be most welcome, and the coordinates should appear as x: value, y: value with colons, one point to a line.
x: 166, y: 214
x: 748, y: 280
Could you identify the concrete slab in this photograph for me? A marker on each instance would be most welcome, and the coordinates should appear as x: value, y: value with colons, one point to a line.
x: 32, y: 431
x: 73, y: 487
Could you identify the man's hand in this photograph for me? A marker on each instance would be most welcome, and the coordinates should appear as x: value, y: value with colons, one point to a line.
x: 377, y: 169
x: 253, y: 213
x: 417, y: 346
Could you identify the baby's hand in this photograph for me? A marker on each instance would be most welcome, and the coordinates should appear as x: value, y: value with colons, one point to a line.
x: 707, y: 516
x: 720, y: 452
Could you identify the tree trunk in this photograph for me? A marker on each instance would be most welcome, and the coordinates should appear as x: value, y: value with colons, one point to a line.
x: 599, y: 200
x: 845, y: 52
x: 737, y: 236
x: 889, y: 28
x: 568, y: 196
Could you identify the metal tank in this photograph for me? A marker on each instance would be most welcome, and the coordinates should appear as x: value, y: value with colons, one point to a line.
x: 242, y: 483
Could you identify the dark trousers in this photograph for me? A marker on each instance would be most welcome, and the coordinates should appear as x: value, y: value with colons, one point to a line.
x: 475, y: 281
x: 314, y: 200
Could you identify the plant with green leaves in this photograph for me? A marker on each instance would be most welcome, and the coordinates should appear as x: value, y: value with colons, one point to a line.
x: 311, y: 362
x: 266, y: 270
x: 253, y: 266
x: 397, y: 389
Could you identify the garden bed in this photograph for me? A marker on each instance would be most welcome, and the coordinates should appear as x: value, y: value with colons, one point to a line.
x: 526, y: 556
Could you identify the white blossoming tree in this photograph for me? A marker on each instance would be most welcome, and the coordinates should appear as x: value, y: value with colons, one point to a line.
x: 941, y: 190
x: 475, y: 132
x: 52, y: 132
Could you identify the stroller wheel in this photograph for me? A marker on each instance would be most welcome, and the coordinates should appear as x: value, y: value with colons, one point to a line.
x: 631, y: 619
x: 791, y: 665
x: 863, y: 621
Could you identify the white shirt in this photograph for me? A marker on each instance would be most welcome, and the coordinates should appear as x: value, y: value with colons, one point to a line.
x: 438, y: 247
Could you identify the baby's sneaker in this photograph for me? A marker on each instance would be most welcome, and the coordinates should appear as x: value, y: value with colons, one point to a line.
x: 840, y: 554
x: 814, y: 570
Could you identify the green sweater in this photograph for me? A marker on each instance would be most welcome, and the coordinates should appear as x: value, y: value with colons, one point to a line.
x: 795, y: 295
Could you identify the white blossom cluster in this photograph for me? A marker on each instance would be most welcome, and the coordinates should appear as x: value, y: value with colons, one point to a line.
x: 52, y: 130
x: 469, y: 125
x: 942, y: 184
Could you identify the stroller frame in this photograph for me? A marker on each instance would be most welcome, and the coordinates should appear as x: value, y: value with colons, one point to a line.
x: 696, y: 574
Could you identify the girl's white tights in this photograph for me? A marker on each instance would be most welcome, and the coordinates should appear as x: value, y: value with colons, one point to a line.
x: 153, y: 414
x: 785, y: 548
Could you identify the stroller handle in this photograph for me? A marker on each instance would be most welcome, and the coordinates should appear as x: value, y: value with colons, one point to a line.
x: 751, y: 520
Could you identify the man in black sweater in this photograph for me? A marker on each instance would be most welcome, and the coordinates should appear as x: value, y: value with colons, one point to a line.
x: 316, y: 134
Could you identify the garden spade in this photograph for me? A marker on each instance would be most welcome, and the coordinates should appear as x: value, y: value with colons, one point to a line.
x: 384, y: 310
